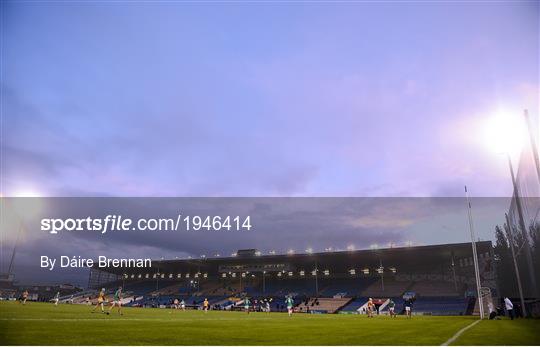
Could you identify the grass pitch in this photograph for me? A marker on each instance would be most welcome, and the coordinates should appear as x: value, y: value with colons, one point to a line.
x: 45, y: 324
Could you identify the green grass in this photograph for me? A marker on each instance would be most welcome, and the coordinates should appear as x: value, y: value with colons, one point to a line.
x: 502, y: 332
x: 45, y: 324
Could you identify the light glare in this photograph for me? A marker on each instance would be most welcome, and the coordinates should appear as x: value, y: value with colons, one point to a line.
x: 505, y: 132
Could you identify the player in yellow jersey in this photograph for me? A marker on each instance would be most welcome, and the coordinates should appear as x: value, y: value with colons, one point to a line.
x: 100, y: 301
x: 370, y: 308
x: 206, y: 305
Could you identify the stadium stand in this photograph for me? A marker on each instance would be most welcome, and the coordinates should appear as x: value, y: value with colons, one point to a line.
x: 343, y: 282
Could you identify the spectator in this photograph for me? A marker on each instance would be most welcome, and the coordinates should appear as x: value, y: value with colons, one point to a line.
x: 509, y: 307
x: 492, y: 312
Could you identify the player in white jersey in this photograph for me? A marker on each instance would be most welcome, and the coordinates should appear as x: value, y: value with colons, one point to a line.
x: 174, y: 305
x: 56, y: 299
x: 24, y: 297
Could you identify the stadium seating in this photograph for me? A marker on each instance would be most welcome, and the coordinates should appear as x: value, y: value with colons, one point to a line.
x: 140, y: 287
x: 327, y: 287
x: 434, y: 297
x: 391, y: 288
x: 350, y: 286
x: 79, y: 298
x: 176, y: 288
x: 283, y: 287
x: 441, y: 305
x: 435, y: 288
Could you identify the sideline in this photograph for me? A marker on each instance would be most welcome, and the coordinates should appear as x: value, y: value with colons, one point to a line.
x: 117, y: 318
x: 458, y: 334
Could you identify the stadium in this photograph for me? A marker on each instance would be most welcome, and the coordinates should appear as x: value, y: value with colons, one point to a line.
x: 274, y: 173
x: 330, y: 292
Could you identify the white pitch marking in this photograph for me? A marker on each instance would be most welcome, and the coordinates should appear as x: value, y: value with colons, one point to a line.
x: 458, y: 334
x: 120, y: 319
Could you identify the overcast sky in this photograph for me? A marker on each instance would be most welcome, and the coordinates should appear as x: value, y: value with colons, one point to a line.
x: 262, y: 99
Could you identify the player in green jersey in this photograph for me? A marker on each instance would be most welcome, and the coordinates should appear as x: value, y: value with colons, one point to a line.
x: 290, y: 304
x: 392, y: 308
x: 247, y: 304
x: 117, y: 301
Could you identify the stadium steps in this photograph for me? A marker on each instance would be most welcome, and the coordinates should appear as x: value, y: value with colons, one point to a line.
x: 383, y: 306
x: 328, y: 305
x: 354, y: 305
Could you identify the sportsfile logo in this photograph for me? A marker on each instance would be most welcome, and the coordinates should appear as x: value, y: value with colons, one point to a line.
x: 120, y: 223
x: 109, y: 223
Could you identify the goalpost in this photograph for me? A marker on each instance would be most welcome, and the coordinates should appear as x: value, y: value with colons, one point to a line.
x: 486, y: 300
